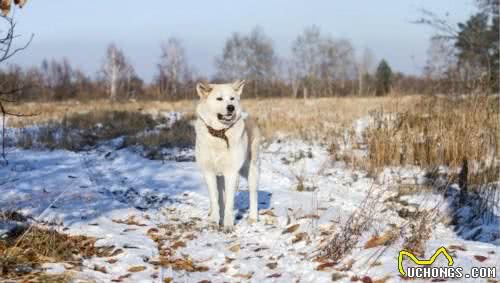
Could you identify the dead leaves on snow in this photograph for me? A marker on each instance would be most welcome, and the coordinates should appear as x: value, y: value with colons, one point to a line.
x: 291, y: 228
x: 138, y: 268
x: 172, y: 236
x: 383, y: 240
x: 185, y: 264
x: 235, y: 248
x: 129, y: 221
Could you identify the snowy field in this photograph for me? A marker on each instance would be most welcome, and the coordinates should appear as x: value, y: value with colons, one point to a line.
x: 154, y: 215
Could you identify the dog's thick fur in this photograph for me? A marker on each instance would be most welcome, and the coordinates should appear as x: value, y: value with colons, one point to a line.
x: 223, y: 162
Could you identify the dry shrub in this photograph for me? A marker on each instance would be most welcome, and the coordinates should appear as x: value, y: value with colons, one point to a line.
x: 76, y: 131
x: 419, y: 231
x: 316, y: 118
x: 24, y: 249
x: 438, y: 131
x: 180, y: 134
x: 344, y: 239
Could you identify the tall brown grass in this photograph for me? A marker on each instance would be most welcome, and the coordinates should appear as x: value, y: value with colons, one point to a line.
x: 438, y: 131
x: 406, y: 130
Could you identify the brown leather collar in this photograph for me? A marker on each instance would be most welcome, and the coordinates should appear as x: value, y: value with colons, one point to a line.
x: 221, y: 134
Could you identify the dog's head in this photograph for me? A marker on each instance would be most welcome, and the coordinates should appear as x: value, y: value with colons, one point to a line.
x: 221, y: 102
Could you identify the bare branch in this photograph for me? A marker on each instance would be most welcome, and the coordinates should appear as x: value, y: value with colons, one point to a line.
x: 441, y: 25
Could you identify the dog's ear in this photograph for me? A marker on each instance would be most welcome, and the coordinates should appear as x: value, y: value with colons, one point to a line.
x: 203, y: 89
x: 238, y: 86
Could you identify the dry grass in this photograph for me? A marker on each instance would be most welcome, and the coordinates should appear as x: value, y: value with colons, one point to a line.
x: 420, y: 230
x: 24, y: 250
x: 406, y: 130
x: 346, y: 237
x: 56, y: 111
x: 78, y: 130
x: 438, y: 131
x: 296, y: 117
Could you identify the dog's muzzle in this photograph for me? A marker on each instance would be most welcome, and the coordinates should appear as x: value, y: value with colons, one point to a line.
x: 226, y: 118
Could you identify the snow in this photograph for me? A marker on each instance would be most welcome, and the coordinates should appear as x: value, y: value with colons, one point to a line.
x: 94, y: 192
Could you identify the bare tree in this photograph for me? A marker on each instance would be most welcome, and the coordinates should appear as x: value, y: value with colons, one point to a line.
x: 249, y: 56
x: 173, y: 68
x: 306, y: 57
x: 364, y: 68
x: 7, y: 50
x: 117, y: 72
x: 320, y: 62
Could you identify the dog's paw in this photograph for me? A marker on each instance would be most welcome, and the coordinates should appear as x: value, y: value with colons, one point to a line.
x: 213, y: 226
x: 228, y: 229
x: 252, y: 221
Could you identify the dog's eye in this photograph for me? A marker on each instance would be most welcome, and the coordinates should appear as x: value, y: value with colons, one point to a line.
x: 232, y: 98
x: 219, y: 98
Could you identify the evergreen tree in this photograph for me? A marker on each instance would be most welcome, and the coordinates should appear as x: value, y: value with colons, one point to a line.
x: 384, y: 78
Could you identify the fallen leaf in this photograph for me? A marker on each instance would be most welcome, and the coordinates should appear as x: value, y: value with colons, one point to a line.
x: 382, y: 240
x: 480, y: 258
x: 100, y: 269
x: 168, y: 280
x: 153, y: 230
x: 205, y: 281
x: 245, y: 276
x: 272, y: 265
x: 347, y: 266
x: 268, y: 212
x: 178, y: 244
x: 337, y: 276
x: 456, y: 247
x: 120, y: 279
x: 310, y: 216
x: 274, y: 275
x: 112, y: 260
x: 366, y: 279
x: 291, y: 228
x: 137, y: 268
x: 260, y: 249
x: 324, y: 266
x: 382, y: 280
x: 299, y: 237
x: 235, y: 248
x: 117, y: 252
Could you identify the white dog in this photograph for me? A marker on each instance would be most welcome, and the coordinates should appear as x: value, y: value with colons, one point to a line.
x: 227, y: 145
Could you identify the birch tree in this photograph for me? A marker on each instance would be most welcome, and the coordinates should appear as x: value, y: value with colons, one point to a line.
x: 173, y: 69
x: 251, y: 57
x: 364, y: 68
x: 117, y: 72
x: 320, y: 62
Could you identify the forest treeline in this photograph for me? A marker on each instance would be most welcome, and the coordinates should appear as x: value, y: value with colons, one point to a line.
x: 462, y: 59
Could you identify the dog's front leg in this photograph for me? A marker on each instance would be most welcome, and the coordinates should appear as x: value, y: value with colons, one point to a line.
x: 213, y: 194
x: 231, y: 183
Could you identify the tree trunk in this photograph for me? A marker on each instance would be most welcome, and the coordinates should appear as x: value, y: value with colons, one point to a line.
x: 114, y: 76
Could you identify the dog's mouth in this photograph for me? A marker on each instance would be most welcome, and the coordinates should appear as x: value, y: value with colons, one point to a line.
x: 226, y: 118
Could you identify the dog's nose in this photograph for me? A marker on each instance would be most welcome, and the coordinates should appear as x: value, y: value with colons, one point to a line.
x: 230, y: 108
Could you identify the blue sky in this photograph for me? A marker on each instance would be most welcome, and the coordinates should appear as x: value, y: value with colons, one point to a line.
x: 81, y: 30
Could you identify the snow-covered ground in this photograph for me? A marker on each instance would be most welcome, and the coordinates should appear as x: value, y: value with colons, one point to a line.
x: 152, y: 211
